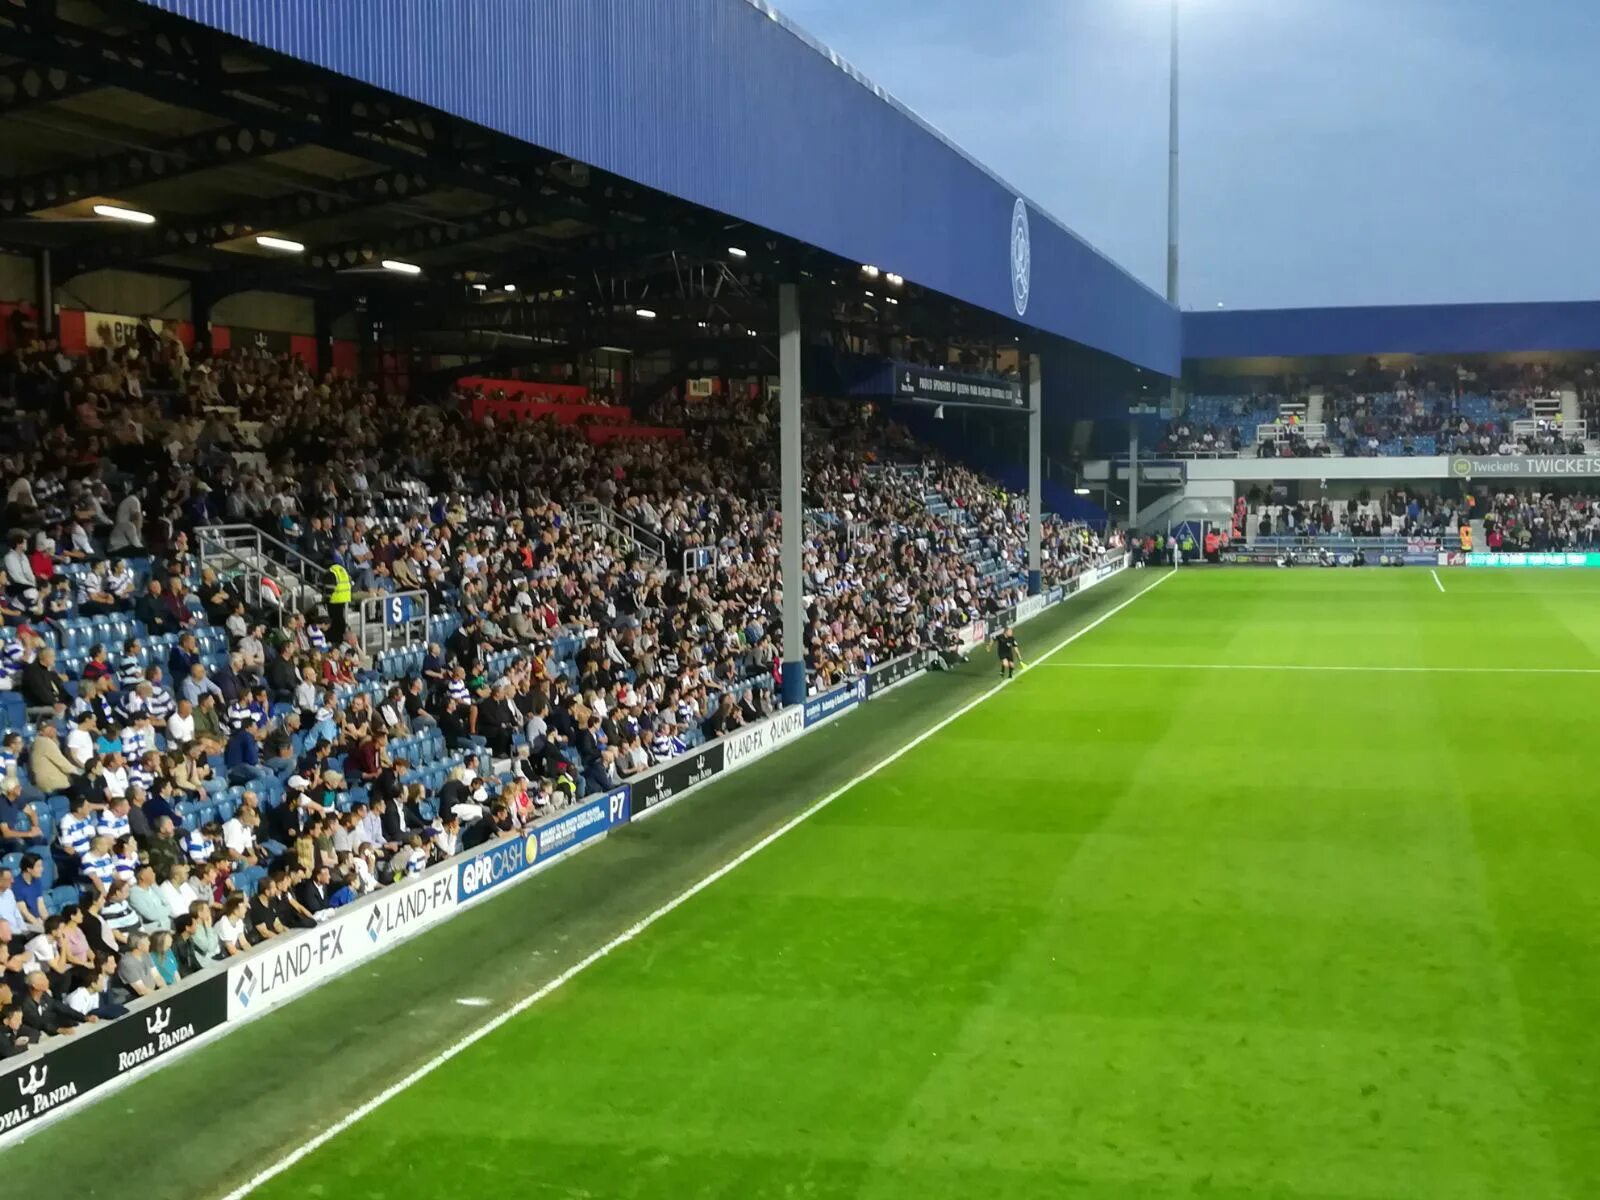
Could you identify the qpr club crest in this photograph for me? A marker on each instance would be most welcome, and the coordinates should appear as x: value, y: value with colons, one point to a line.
x: 1021, y: 257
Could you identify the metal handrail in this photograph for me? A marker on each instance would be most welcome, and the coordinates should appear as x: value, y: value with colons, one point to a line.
x: 253, y: 554
x: 646, y: 541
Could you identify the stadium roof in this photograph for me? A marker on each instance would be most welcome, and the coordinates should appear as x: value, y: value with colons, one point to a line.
x: 600, y: 155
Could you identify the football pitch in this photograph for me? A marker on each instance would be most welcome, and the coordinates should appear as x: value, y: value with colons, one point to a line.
x: 1268, y: 884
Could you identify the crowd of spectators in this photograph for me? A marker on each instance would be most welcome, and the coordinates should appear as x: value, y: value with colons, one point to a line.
x: 1425, y: 407
x: 1533, y: 520
x: 222, y: 772
x: 1512, y: 520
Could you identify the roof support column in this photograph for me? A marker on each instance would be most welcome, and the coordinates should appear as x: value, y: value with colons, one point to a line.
x: 44, y: 286
x: 1035, y: 437
x: 201, y: 300
x: 792, y: 495
x: 1133, y: 473
x: 322, y: 326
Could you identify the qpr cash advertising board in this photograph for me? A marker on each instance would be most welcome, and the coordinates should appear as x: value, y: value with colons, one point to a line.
x: 538, y: 847
x: 831, y: 704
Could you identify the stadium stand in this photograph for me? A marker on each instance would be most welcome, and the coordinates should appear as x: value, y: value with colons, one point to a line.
x: 1426, y: 408
x: 195, y: 763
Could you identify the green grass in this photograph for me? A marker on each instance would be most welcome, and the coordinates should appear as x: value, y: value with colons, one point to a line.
x: 1122, y: 931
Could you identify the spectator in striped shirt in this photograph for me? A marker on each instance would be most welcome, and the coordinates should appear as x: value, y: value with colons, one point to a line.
x: 160, y: 702
x: 93, y: 598
x: 143, y: 773
x: 118, y: 581
x: 76, y: 830
x: 117, y: 914
x: 139, y: 737
x: 112, y: 820
x: 199, y: 845
x: 14, y: 655
x: 125, y: 858
x: 98, y: 863
x: 130, y: 667
x: 10, y: 754
x: 241, y: 714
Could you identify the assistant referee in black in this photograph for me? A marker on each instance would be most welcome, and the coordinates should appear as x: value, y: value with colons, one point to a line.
x: 1005, y: 646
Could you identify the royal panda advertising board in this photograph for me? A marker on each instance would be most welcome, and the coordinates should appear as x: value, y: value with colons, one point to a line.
x: 897, y: 670
x: 35, y: 1088
x: 678, y: 776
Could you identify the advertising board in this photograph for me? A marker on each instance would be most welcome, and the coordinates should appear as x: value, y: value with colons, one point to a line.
x: 678, y: 776
x: 38, y: 1087
x: 762, y: 737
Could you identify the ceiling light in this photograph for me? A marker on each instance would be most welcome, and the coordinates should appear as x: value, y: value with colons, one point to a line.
x: 116, y: 212
x: 649, y: 314
x: 510, y: 287
x: 870, y: 294
x: 1080, y: 491
x: 870, y: 271
x: 613, y: 350
x: 702, y: 325
x: 480, y: 287
x: 751, y: 332
x: 268, y: 242
x: 891, y: 300
x: 400, y: 268
x: 736, y: 252
x: 893, y: 279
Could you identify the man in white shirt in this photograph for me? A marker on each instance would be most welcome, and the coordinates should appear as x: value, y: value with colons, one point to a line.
x: 114, y: 776
x: 179, y: 892
x: 19, y: 571
x: 180, y: 725
x: 239, y: 830
x: 252, y: 650
x: 80, y: 742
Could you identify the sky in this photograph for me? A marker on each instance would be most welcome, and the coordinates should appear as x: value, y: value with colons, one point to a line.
x: 1334, y: 152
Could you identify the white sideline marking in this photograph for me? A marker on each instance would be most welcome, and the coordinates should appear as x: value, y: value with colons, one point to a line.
x: 633, y: 931
x: 1153, y: 666
x: 1436, y: 581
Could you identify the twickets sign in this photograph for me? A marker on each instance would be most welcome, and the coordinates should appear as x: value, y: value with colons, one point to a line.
x: 1523, y: 466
